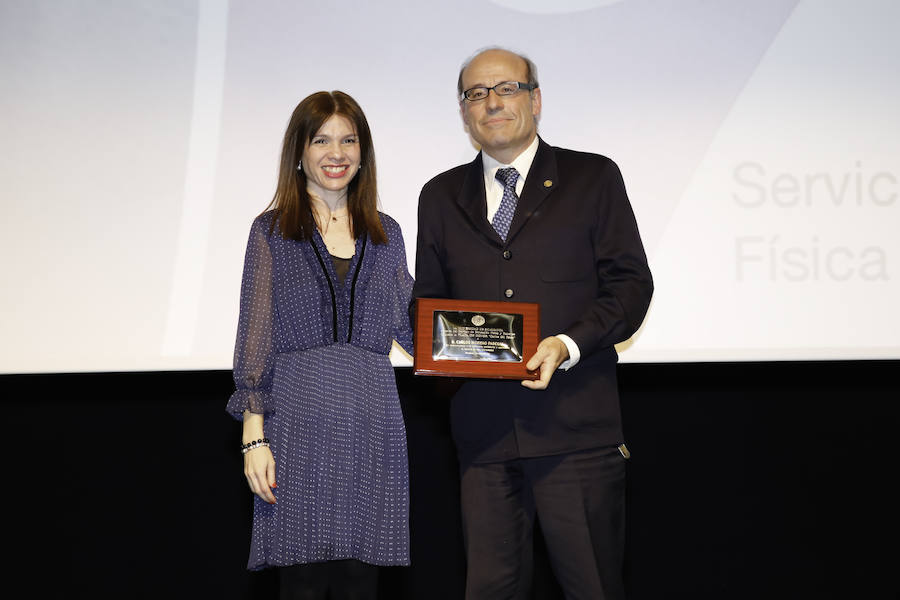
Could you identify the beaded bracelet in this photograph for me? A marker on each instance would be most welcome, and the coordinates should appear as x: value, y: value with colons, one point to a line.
x: 245, y: 448
x: 255, y: 442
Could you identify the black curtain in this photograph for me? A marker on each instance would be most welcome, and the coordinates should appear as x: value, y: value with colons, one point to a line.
x: 747, y: 480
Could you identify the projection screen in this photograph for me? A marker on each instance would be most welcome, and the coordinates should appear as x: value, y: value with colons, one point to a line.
x: 759, y: 141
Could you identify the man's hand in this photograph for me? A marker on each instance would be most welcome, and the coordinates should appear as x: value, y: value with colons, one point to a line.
x: 550, y: 353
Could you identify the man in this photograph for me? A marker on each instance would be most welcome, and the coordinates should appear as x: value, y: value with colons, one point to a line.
x: 559, y: 231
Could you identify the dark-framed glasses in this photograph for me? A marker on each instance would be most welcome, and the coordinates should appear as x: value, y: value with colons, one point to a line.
x: 507, y: 88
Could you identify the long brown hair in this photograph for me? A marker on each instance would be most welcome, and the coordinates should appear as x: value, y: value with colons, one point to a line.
x: 291, y: 202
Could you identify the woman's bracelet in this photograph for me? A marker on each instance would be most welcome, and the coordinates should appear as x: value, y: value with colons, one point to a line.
x: 245, y: 448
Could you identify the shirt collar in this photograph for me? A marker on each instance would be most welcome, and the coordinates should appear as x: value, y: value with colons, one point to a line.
x: 522, y: 162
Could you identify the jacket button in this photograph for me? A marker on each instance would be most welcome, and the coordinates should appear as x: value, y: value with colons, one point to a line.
x: 508, y: 293
x: 507, y: 254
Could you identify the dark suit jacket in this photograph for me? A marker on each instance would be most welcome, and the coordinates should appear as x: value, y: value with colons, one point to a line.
x: 573, y: 247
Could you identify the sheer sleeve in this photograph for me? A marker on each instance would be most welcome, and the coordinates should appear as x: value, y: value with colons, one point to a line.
x: 254, y: 348
x: 402, y: 324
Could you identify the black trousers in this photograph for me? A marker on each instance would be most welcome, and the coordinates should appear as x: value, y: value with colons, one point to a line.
x: 579, y: 499
x: 332, y: 580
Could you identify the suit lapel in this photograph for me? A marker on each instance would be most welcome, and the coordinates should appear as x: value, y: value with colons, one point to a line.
x: 473, y: 202
x: 542, y: 179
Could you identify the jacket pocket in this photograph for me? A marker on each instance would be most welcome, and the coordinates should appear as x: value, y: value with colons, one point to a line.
x: 565, y: 270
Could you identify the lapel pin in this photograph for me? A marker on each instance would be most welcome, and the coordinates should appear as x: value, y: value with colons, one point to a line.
x: 547, y: 183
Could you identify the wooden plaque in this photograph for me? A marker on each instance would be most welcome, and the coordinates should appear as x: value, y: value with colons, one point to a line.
x: 475, y: 338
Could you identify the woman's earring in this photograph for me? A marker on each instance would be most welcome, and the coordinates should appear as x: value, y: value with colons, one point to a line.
x: 300, y: 166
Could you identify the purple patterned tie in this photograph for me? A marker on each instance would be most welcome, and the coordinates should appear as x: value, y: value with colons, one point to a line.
x: 504, y: 215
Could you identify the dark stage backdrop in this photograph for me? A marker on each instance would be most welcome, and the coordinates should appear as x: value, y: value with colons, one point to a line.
x: 751, y: 480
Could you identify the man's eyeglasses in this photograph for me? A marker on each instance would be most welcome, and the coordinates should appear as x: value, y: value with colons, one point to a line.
x: 507, y: 88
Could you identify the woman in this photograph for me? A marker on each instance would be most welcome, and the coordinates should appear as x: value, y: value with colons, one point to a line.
x: 325, y: 291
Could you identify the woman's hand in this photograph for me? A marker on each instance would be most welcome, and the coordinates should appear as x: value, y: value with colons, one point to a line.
x: 259, y: 469
x: 259, y: 464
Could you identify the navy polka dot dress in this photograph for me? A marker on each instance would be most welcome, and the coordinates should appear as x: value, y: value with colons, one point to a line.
x: 312, y: 355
